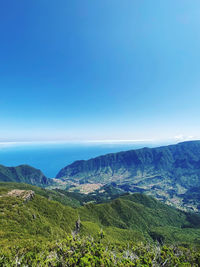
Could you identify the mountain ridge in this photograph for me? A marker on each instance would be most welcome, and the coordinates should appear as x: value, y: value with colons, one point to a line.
x: 24, y: 174
x: 133, y: 214
x: 165, y: 172
x: 128, y: 231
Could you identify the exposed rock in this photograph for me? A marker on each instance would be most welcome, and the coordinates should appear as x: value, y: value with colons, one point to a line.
x: 26, y: 195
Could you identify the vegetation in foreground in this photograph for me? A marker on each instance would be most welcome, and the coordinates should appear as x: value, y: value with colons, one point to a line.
x: 133, y: 230
x: 84, y: 251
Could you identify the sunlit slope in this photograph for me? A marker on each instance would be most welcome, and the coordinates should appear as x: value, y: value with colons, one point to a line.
x: 146, y: 216
x: 166, y: 173
x: 37, y: 218
x: 129, y: 218
x: 64, y: 197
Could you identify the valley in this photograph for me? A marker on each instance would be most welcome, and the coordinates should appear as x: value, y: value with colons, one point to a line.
x: 166, y: 173
x: 148, y: 198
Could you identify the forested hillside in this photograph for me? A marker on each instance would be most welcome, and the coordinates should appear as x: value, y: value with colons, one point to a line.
x: 166, y: 173
x: 37, y: 231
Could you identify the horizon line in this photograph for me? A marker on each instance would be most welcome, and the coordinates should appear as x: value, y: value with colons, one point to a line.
x: 93, y: 141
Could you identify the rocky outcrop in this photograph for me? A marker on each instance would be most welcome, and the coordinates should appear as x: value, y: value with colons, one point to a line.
x: 26, y: 195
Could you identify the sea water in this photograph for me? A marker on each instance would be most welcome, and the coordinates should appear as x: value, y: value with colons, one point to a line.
x: 51, y: 157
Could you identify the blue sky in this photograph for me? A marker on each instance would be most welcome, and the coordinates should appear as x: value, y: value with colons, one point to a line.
x: 99, y: 70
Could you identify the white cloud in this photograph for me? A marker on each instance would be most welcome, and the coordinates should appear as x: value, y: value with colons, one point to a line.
x: 182, y: 137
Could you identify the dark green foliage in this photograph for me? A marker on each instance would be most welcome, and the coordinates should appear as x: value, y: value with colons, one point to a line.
x: 104, y: 194
x: 130, y: 217
x: 146, y: 216
x: 87, y: 252
x: 133, y: 230
x: 164, y: 172
x: 67, y: 198
x: 38, y: 218
x: 174, y: 159
x: 24, y: 174
x: 192, y: 197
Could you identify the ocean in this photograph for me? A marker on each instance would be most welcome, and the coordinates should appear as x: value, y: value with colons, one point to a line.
x: 51, y: 157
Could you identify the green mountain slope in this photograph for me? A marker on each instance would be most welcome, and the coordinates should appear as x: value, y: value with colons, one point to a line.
x: 24, y: 174
x: 164, y: 172
x: 72, y: 199
x: 129, y: 217
x: 62, y: 196
x: 35, y: 231
x: 35, y: 218
x: 146, y: 216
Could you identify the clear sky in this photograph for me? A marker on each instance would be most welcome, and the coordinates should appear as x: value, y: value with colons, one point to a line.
x: 96, y: 70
